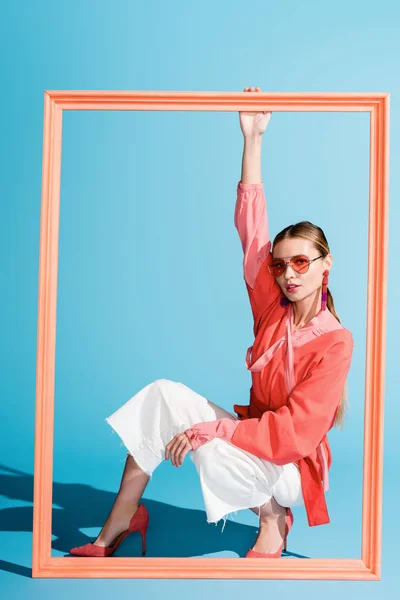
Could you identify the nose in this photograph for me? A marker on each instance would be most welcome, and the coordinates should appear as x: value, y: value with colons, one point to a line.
x: 288, y: 273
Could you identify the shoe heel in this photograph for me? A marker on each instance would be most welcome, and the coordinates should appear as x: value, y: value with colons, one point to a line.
x: 143, y: 542
x: 144, y: 532
x: 140, y: 524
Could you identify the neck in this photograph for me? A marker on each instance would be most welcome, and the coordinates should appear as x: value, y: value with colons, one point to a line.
x: 306, y: 309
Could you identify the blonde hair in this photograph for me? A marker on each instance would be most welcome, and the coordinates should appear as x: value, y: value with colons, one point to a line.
x: 313, y: 233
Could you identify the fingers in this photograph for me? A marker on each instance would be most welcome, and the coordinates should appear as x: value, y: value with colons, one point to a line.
x: 180, y: 455
x: 181, y: 449
x: 257, y: 89
x: 177, y: 449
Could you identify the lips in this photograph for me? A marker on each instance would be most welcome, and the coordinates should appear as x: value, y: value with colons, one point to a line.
x: 291, y: 287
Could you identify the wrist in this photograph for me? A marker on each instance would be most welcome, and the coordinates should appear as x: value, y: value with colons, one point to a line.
x: 253, y: 138
x: 195, y: 441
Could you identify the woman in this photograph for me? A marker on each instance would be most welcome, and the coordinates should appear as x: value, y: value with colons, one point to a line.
x: 275, y: 454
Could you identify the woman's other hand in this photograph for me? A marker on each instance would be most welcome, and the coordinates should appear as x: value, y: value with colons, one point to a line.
x: 253, y: 124
x: 177, y: 449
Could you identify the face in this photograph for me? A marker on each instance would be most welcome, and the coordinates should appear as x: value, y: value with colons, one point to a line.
x: 308, y: 282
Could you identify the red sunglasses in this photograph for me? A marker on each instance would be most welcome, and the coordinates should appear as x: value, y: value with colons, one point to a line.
x: 299, y: 263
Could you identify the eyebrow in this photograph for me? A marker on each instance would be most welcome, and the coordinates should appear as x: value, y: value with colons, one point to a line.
x: 282, y: 257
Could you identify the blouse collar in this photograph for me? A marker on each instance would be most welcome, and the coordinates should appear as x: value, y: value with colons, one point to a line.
x: 322, y: 322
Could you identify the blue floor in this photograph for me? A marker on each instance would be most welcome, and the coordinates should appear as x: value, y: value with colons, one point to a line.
x: 178, y: 531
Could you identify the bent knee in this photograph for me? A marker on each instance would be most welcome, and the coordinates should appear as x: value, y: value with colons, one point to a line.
x: 163, y: 383
x: 169, y: 390
x: 160, y: 381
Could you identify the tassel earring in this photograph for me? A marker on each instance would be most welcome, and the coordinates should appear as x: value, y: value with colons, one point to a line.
x: 284, y: 301
x: 324, y: 298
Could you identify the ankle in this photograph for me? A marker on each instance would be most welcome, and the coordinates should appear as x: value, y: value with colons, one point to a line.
x: 270, y: 526
x: 117, y: 521
x: 272, y: 519
x: 124, y: 506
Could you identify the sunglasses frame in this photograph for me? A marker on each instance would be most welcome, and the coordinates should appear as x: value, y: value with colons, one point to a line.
x: 309, y: 261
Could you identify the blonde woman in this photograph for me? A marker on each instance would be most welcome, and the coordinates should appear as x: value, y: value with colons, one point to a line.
x: 273, y: 453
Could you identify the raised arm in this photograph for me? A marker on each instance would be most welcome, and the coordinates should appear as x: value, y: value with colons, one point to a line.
x: 250, y: 211
x: 251, y: 219
x: 252, y: 224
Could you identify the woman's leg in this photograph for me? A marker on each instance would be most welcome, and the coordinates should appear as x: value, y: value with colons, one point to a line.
x: 272, y: 527
x: 146, y: 423
x: 133, y: 484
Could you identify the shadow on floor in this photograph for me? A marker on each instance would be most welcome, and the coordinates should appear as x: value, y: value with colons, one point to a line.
x: 172, y: 531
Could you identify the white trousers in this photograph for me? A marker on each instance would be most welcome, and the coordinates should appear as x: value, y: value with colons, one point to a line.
x: 231, y: 479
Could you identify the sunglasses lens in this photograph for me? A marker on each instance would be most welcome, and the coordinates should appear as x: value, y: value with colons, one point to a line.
x: 276, y: 268
x: 298, y: 263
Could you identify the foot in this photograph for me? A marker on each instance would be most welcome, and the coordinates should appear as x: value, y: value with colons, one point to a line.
x: 114, y: 525
x: 270, y: 535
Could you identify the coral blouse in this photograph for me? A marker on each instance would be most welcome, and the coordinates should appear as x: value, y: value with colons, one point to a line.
x: 298, y: 376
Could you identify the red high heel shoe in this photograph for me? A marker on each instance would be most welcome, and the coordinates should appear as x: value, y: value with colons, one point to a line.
x: 138, y: 522
x: 289, y: 522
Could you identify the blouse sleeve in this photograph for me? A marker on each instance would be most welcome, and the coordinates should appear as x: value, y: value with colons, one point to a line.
x: 204, y: 432
x: 293, y: 431
x: 251, y: 222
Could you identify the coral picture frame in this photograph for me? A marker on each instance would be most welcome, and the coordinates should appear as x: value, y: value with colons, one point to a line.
x: 368, y: 565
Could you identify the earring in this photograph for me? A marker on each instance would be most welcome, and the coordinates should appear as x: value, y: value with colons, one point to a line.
x: 324, y: 298
x: 284, y: 301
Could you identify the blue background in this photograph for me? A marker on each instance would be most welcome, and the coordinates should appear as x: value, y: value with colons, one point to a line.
x: 150, y: 283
